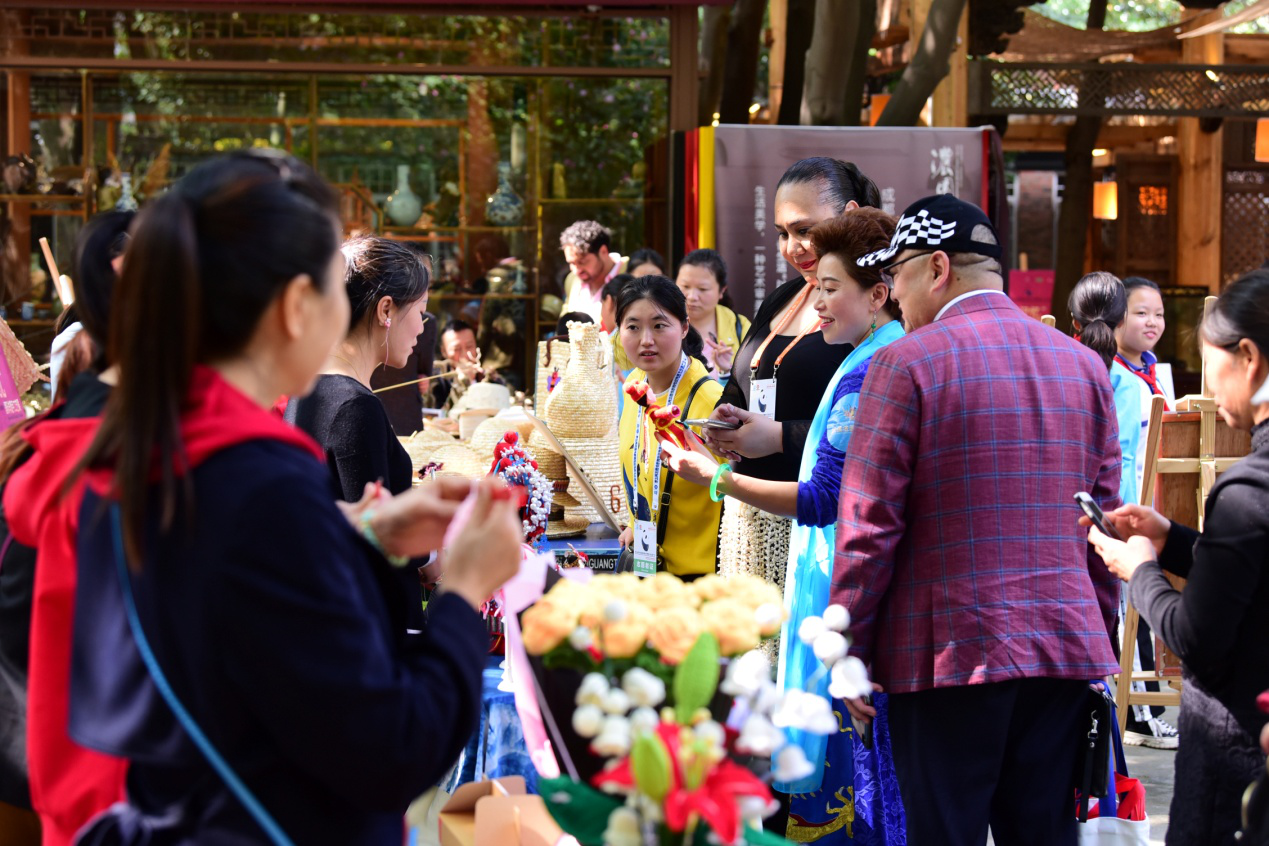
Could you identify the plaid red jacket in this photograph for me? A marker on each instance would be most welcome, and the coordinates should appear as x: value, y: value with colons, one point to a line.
x: 959, y: 554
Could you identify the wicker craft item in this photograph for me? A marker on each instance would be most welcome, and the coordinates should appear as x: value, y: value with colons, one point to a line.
x: 482, y: 395
x: 552, y: 363
x: 584, y: 403
x: 458, y: 460
x: 753, y: 542
x: 423, y: 443
x: 600, y: 460
x: 550, y: 462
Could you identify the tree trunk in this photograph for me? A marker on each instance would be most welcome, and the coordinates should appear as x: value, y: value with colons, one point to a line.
x: 713, y: 57
x: 797, y: 34
x: 930, y: 63
x: 1077, y: 192
x: 741, y: 76
x: 842, y: 27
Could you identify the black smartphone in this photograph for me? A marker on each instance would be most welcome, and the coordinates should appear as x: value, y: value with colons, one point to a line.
x: 1094, y: 512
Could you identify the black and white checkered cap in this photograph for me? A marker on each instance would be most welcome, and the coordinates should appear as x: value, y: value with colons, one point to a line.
x: 941, y: 222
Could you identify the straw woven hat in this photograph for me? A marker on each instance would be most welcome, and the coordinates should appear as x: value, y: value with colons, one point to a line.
x: 571, y: 526
x: 458, y: 460
x: 423, y: 443
x: 487, y: 434
x: 600, y: 460
x: 562, y: 497
x: 550, y: 462
x: 483, y: 395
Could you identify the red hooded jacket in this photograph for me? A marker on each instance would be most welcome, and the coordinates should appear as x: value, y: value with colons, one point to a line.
x: 69, y: 783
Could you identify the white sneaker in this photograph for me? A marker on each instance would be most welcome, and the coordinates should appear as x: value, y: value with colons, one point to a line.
x: 1161, y: 736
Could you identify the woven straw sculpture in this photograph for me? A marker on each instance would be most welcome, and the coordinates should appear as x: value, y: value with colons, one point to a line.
x: 552, y: 364
x: 584, y: 403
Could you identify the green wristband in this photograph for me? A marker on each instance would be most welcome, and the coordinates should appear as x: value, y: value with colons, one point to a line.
x: 718, y: 475
x: 368, y: 532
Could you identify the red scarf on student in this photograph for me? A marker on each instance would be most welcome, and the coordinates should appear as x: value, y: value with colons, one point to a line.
x: 69, y: 783
x: 1146, y: 374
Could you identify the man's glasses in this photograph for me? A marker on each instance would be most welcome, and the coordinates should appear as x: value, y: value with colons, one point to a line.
x: 888, y: 269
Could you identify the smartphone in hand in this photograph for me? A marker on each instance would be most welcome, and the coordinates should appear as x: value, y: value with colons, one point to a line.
x: 863, y: 730
x: 1094, y: 512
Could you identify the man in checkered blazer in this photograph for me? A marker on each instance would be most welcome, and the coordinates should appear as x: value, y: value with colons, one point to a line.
x: 974, y: 594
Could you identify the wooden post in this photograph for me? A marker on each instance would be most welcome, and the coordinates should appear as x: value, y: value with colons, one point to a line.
x: 950, y: 104
x: 778, y: 13
x: 17, y: 140
x: 1200, y: 186
x: 684, y: 73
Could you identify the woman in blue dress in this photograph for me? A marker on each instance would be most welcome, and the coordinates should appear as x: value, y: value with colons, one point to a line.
x: 852, y: 795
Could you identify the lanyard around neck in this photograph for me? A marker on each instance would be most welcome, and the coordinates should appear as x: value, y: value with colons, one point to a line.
x: 637, y: 460
x: 801, y: 299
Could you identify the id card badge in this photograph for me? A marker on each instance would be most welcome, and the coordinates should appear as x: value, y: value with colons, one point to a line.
x: 762, y: 397
x: 645, y: 548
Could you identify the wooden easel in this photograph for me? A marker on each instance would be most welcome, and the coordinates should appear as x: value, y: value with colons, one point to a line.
x: 1170, y: 457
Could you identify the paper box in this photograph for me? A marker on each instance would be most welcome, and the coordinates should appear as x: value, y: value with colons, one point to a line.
x: 493, y: 813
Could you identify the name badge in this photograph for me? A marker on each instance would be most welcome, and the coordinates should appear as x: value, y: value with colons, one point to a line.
x: 762, y: 397
x: 645, y: 548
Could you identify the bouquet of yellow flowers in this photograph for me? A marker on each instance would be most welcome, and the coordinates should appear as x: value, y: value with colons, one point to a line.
x: 673, y: 690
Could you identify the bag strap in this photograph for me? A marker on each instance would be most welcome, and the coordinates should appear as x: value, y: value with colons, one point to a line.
x: 664, y: 512
x: 183, y: 716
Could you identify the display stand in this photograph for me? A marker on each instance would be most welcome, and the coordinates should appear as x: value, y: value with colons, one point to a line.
x: 1185, y: 451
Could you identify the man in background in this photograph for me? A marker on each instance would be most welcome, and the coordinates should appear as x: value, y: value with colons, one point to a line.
x: 587, y: 247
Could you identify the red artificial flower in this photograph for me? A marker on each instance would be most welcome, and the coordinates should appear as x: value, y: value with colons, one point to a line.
x: 715, y: 800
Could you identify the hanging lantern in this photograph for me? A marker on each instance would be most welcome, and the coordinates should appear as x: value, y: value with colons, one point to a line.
x: 1262, y: 140
x: 1106, y: 200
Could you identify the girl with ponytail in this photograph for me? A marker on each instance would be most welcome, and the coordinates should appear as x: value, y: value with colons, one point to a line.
x: 234, y: 637
x: 1097, y: 305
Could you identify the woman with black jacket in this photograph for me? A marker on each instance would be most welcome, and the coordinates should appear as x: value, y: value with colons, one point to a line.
x: 233, y: 639
x: 785, y: 354
x: 1219, y: 625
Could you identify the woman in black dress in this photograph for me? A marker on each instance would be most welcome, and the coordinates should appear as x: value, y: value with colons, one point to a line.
x: 783, y: 346
x: 1219, y: 624
x: 387, y: 286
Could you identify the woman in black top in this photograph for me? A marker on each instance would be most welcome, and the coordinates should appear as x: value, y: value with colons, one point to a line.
x: 788, y: 347
x: 1219, y: 624
x: 387, y: 287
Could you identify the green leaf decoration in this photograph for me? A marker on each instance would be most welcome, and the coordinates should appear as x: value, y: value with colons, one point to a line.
x: 696, y: 678
x: 578, y: 808
x: 650, y: 765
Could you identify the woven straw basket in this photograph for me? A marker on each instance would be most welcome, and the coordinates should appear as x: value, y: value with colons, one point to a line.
x: 458, y: 460
x: 553, y: 357
x: 489, y: 432
x: 584, y: 403
x: 423, y: 443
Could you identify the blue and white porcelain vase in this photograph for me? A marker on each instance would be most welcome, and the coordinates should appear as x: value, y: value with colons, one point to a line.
x: 504, y: 207
x: 403, y: 206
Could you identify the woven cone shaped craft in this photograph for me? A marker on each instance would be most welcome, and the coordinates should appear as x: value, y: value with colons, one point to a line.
x: 584, y: 403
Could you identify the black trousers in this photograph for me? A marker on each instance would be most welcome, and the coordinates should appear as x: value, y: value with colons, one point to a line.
x: 1001, y: 755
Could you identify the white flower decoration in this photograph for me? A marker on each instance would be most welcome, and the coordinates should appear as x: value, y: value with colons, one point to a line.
x: 769, y: 617
x: 581, y: 639
x: 746, y: 674
x: 710, y: 733
x: 616, y: 702
x: 644, y: 721
x: 592, y: 689
x: 849, y: 679
x: 791, y: 764
x: 615, y: 611
x: 829, y: 647
x: 623, y: 828
x: 759, y: 737
x: 805, y: 711
x: 614, y: 739
x: 643, y: 688
x: 754, y: 810
x: 810, y: 629
x: 588, y: 720
x: 837, y: 618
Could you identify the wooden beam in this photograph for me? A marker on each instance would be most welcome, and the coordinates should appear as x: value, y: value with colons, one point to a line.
x: 1051, y: 137
x: 1200, y: 182
x: 684, y: 71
